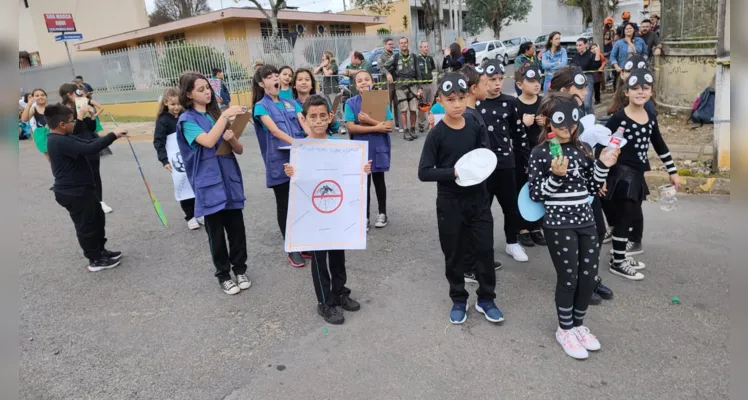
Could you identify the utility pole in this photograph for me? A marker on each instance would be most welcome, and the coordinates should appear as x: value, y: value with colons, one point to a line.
x: 70, y: 59
x: 721, y: 160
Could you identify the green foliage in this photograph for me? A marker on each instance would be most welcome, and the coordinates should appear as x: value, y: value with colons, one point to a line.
x: 405, y: 21
x: 183, y: 57
x: 379, y: 7
x: 384, y: 31
x: 495, y: 14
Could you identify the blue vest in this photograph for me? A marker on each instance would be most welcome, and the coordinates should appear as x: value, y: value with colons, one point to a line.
x: 380, y: 147
x: 216, y: 180
x: 286, y: 121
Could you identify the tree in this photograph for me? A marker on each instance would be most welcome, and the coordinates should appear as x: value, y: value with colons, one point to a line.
x: 431, y: 21
x: 584, y: 5
x: 174, y: 10
x: 272, y: 16
x: 495, y: 14
x: 599, y: 10
x: 190, y: 57
x: 378, y: 7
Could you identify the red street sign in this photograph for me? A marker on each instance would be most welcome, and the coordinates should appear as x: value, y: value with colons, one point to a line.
x: 327, y: 197
x: 59, y: 22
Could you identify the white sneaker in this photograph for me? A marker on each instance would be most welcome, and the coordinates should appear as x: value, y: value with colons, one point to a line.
x: 637, y: 265
x: 517, y: 252
x: 201, y: 220
x: 106, y: 208
x: 229, y: 287
x: 569, y: 342
x: 625, y: 270
x: 585, y: 338
x: 381, y: 221
x: 243, y: 281
x: 193, y: 224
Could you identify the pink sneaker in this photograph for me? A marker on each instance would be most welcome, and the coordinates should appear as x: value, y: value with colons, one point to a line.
x: 586, y: 339
x: 568, y: 340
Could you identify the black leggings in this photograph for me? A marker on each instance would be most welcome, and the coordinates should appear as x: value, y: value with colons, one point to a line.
x: 628, y: 212
x: 380, y: 188
x: 636, y: 229
x: 574, y: 253
x: 281, y: 205
x: 188, y: 206
x: 95, y: 165
x: 501, y: 184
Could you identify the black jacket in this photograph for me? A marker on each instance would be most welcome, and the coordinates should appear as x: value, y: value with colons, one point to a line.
x: 165, y: 125
x: 86, y: 129
x: 425, y: 65
x: 587, y: 62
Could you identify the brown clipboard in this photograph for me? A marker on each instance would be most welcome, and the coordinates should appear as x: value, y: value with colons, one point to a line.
x: 375, y: 103
x: 336, y: 103
x: 237, y: 126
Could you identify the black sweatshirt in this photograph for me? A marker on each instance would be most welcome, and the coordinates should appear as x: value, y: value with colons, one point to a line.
x: 587, y: 62
x: 506, y: 132
x: 165, y: 126
x: 85, y: 129
x: 441, y: 150
x: 69, y: 156
x: 533, y: 131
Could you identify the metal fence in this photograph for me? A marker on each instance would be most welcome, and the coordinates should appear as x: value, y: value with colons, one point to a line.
x: 142, y: 73
x: 689, y: 20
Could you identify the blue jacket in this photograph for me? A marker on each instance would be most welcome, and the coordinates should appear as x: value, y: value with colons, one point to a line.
x: 380, y: 147
x: 216, y: 180
x: 288, y: 122
x: 620, y: 52
x: 552, y: 63
x: 225, y: 94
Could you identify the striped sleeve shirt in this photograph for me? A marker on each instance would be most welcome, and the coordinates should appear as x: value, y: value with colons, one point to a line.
x: 640, y: 136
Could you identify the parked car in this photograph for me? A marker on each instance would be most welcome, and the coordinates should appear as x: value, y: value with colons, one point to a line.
x: 567, y: 42
x: 492, y: 49
x: 370, y: 56
x: 512, y: 46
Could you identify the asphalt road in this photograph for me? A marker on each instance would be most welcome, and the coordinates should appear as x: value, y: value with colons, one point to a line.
x: 159, y: 327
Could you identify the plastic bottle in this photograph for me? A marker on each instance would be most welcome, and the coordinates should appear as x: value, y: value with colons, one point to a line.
x: 668, y: 201
x: 555, y: 145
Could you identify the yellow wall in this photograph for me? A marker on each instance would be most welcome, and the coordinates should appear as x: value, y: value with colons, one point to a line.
x: 680, y: 79
x: 148, y: 109
x: 394, y: 18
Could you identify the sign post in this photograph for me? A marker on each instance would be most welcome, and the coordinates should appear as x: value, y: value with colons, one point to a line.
x: 63, y: 23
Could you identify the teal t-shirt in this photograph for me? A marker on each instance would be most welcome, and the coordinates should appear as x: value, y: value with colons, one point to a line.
x: 349, y: 117
x: 260, y: 110
x: 437, y: 108
x: 286, y: 94
x: 191, y: 130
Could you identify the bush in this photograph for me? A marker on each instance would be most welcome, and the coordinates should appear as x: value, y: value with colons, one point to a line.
x: 183, y: 57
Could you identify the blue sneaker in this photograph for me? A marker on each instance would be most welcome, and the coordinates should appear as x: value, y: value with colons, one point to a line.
x: 458, y: 314
x: 490, y: 311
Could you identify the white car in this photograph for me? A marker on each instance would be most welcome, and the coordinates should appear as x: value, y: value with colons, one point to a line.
x: 492, y: 49
x: 512, y: 46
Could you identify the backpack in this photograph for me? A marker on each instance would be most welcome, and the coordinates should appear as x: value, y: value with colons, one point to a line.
x: 469, y: 55
x: 702, y: 110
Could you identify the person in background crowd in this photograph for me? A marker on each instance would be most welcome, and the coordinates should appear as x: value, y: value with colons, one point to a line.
x: 328, y: 68
x: 554, y: 58
x: 587, y: 61
x: 526, y: 56
x: 389, y: 51
x: 626, y: 16
x: 475, y: 40
x: 259, y: 63
x: 426, y: 67
x: 599, y: 76
x: 304, y: 85
x: 286, y: 77
x: 358, y: 63
x: 23, y: 101
x: 98, y: 108
x: 453, y: 59
x: 608, y: 35
x: 404, y: 67
x: 79, y: 81
x: 655, y: 24
x: 652, y: 39
x: 223, y: 98
x: 626, y: 47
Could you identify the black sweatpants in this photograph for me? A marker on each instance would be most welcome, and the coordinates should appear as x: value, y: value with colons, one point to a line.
x: 328, y: 274
x: 89, y: 221
x: 520, y: 177
x: 574, y: 253
x: 502, y: 185
x: 95, y: 164
x: 629, y: 211
x: 380, y: 188
x: 597, y: 86
x: 636, y: 230
x: 232, y: 223
x: 188, y: 206
x: 281, y: 205
x: 464, y: 219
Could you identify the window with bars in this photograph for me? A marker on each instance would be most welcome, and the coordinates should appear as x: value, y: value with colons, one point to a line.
x: 340, y: 29
x: 147, y: 42
x: 174, y: 38
x: 266, y: 30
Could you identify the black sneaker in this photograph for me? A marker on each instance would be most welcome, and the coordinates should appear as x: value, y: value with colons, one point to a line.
x: 52, y: 187
x: 102, y: 264
x: 538, y: 237
x: 625, y: 270
x: 595, y: 300
x: 496, y: 265
x: 525, y: 240
x: 332, y: 315
x: 114, y: 255
x: 229, y: 287
x: 348, y: 304
x: 470, y: 278
x: 296, y: 260
x: 413, y: 135
x: 602, y: 290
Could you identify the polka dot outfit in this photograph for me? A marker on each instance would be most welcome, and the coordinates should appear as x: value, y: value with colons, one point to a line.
x: 639, y: 137
x: 506, y: 132
x: 569, y: 226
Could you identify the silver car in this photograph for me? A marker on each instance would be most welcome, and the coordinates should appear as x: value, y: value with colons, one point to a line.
x: 512, y: 46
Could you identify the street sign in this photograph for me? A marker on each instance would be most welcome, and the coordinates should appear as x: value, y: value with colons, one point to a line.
x: 69, y: 37
x: 59, y: 22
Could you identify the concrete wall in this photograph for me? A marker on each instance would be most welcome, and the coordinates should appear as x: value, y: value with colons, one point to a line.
x: 683, y: 74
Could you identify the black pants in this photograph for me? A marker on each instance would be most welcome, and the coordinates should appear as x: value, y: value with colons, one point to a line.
x: 232, y: 223
x: 616, y: 74
x: 380, y: 188
x: 502, y: 185
x: 95, y: 164
x: 89, y: 221
x: 520, y: 179
x: 188, y: 206
x: 328, y: 274
x: 636, y: 229
x: 597, y: 87
x: 574, y: 253
x: 281, y: 205
x: 628, y: 212
x: 461, y: 220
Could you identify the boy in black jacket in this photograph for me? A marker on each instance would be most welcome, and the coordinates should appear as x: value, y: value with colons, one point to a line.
x: 75, y: 184
x: 460, y: 210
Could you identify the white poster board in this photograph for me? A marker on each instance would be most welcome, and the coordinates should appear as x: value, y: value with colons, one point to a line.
x: 327, y: 195
x: 182, y: 188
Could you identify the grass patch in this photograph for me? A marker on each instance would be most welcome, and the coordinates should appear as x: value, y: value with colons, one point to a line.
x: 127, y: 119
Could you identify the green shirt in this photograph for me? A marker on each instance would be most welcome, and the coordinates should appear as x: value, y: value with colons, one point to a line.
x: 191, y: 130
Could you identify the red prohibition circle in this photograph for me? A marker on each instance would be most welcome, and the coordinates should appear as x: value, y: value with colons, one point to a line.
x: 338, y: 195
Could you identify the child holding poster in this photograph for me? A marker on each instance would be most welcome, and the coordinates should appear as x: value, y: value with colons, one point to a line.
x: 219, y: 195
x: 167, y: 150
x: 277, y: 122
x: 328, y: 286
x: 304, y: 86
x: 363, y: 127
